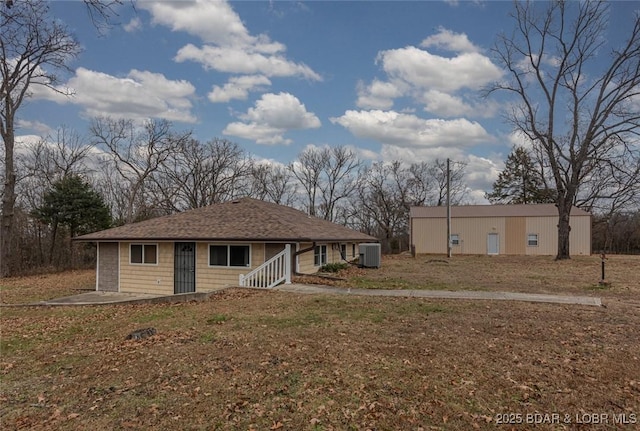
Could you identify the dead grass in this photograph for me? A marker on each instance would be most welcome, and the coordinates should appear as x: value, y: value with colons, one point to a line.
x: 272, y: 360
x: 531, y: 274
x: 24, y: 290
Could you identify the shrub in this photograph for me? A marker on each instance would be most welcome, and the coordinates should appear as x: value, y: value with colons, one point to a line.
x: 334, y: 267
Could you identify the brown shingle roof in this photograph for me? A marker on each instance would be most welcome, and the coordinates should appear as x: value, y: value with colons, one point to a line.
x: 241, y: 220
x: 467, y: 211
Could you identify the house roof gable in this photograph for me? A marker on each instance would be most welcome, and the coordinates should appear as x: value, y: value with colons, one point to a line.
x: 470, y: 211
x: 239, y: 220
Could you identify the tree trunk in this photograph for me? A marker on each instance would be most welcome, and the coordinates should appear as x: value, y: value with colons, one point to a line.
x: 564, y: 228
x: 71, y: 257
x: 52, y: 246
x: 8, y: 203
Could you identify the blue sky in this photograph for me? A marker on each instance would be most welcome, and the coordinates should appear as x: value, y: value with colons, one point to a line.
x: 393, y: 80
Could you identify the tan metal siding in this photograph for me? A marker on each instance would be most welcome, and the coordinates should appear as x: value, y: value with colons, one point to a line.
x: 428, y: 235
x: 547, y: 230
x: 515, y: 235
x: 107, y: 268
x: 154, y: 279
x: 473, y: 234
x: 580, y: 236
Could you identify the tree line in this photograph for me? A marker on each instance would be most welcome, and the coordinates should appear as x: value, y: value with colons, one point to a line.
x: 121, y: 173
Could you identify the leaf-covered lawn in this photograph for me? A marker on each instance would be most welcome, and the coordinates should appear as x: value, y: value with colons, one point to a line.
x: 532, y: 274
x: 273, y: 360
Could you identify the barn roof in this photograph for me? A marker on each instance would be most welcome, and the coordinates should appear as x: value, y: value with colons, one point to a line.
x: 239, y: 220
x: 470, y: 211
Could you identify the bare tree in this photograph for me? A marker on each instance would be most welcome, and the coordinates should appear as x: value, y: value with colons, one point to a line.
x: 382, y: 198
x: 136, y: 154
x: 273, y: 183
x: 339, y: 179
x: 203, y: 174
x: 33, y: 46
x: 308, y: 171
x: 328, y: 176
x: 613, y: 185
x: 575, y: 112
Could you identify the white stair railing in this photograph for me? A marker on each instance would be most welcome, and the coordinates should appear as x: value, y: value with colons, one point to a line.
x: 271, y: 273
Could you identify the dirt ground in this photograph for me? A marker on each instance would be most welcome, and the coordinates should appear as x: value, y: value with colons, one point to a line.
x: 268, y: 360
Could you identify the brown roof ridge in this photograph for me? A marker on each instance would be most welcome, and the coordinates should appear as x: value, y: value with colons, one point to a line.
x: 242, y: 219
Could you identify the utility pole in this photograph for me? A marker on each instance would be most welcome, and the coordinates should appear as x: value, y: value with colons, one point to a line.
x: 448, y: 208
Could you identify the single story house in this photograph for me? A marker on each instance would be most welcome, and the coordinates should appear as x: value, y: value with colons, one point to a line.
x: 497, y: 229
x: 246, y: 241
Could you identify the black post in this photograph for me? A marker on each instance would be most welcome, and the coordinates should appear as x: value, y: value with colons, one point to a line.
x: 603, y: 257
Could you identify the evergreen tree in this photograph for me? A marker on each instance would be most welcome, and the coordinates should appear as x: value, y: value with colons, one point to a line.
x: 520, y: 182
x: 72, y: 203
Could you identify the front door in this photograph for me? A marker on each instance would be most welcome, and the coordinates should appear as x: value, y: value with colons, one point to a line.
x: 184, y: 271
x: 493, y: 243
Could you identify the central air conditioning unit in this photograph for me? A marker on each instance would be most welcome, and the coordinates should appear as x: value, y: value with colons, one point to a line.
x: 369, y: 255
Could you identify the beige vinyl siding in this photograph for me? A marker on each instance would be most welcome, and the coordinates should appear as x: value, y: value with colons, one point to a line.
x: 351, y: 251
x: 305, y: 260
x: 211, y: 278
x: 333, y: 253
x: 153, y: 279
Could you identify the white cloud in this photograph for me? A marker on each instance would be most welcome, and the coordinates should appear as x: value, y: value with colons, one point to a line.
x: 377, y: 95
x: 271, y: 117
x: 405, y: 130
x: 481, y: 173
x: 421, y: 69
x: 41, y: 128
x: 139, y: 95
x: 212, y: 21
x: 519, y: 139
x: 132, y: 26
x: 446, y: 86
x: 446, y: 39
x: 244, y: 60
x: 451, y: 105
x: 238, y: 88
x: 228, y: 45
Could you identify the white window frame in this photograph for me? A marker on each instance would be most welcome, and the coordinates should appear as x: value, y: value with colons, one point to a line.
x: 529, y: 240
x: 456, y: 241
x: 144, y: 247
x: 319, y: 252
x: 228, y: 265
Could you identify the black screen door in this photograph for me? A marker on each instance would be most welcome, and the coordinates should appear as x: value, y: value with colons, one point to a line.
x: 184, y: 278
